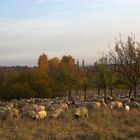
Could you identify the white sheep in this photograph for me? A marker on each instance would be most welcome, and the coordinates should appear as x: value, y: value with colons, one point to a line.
x: 115, y: 105
x: 58, y: 114
x: 63, y: 106
x: 126, y: 108
x: 32, y: 107
x: 12, y: 113
x: 80, y: 112
x: 96, y: 105
x: 41, y: 108
x: 41, y: 115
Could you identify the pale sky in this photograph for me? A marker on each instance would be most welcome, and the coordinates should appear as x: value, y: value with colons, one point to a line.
x: 81, y: 28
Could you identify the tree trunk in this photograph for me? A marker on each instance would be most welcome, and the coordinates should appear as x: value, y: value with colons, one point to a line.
x: 98, y: 92
x: 69, y: 93
x: 130, y: 92
x: 105, y: 96
x: 135, y: 90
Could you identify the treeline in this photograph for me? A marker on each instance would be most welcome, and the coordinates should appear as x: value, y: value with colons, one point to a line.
x: 119, y: 68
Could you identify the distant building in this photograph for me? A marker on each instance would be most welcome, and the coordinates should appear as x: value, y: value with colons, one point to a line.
x: 78, y: 63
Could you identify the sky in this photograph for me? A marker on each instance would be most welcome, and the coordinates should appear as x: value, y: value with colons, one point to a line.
x: 84, y: 29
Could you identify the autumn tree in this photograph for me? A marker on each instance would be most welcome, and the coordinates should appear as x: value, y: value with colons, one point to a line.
x: 100, y: 81
x: 83, y: 80
x: 68, y: 60
x: 126, y: 59
x: 43, y: 64
x: 112, y: 79
x: 54, y: 65
x: 67, y: 73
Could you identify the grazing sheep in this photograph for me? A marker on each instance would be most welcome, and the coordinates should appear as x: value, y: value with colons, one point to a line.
x: 58, y: 114
x: 9, y: 106
x: 102, y: 102
x: 126, y: 108
x: 3, y: 115
x: 29, y: 115
x: 103, y: 105
x: 22, y: 105
x: 134, y: 105
x: 12, y: 113
x: 2, y: 108
x: 109, y: 98
x: 41, y: 115
x: 32, y: 107
x: 96, y: 105
x: 80, y: 112
x: 89, y: 105
x: 115, y: 105
x: 63, y: 106
x: 41, y: 108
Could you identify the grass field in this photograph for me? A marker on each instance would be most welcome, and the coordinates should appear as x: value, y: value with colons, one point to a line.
x: 101, y: 125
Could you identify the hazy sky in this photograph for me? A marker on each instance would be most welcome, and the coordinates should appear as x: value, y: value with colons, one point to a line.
x: 81, y: 28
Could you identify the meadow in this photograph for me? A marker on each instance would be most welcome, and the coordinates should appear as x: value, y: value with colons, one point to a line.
x: 100, y: 125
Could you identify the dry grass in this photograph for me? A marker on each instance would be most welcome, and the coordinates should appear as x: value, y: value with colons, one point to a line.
x: 101, y: 125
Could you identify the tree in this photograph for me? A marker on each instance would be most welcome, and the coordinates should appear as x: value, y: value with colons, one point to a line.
x: 68, y: 60
x: 43, y: 64
x: 19, y: 90
x: 101, y: 68
x: 36, y: 81
x: 66, y: 73
x: 112, y: 78
x: 83, y: 80
x: 126, y: 59
x: 54, y: 65
x: 66, y: 76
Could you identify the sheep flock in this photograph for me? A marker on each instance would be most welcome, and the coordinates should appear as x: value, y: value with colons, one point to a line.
x: 58, y: 108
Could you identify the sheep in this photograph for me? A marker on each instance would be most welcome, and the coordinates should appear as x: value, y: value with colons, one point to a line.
x: 22, y: 105
x: 8, y: 113
x: 126, y: 108
x: 89, y: 105
x: 103, y: 105
x: 3, y: 115
x: 80, y: 112
x: 96, y: 105
x: 9, y: 105
x: 41, y: 115
x: 29, y: 115
x: 115, y: 105
x: 102, y: 102
x: 63, y: 106
x: 15, y: 113
x: 12, y: 113
x: 134, y: 105
x: 2, y: 108
x: 58, y: 114
x: 41, y: 108
x: 32, y: 107
x: 118, y: 105
x: 109, y: 98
